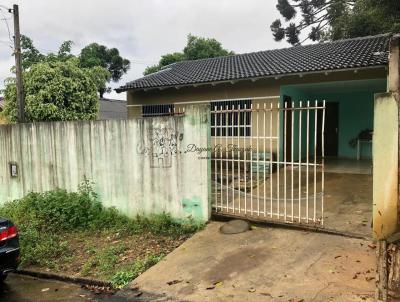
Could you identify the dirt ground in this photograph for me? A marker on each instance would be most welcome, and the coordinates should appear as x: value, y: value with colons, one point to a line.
x: 264, y: 264
x: 101, y: 255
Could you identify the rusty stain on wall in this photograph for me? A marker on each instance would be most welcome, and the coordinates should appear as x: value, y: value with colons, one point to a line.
x: 118, y: 156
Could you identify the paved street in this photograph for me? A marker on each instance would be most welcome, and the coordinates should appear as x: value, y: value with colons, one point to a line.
x: 19, y: 288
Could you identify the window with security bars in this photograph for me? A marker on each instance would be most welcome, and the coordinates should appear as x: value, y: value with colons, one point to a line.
x: 228, y: 120
x: 157, y: 110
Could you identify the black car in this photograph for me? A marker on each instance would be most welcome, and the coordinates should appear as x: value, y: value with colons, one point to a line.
x: 9, y: 248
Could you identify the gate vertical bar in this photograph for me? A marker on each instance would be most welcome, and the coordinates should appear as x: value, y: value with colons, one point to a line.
x: 323, y: 162
x: 220, y: 156
x: 284, y: 159
x: 315, y: 159
x: 270, y: 158
x: 307, y: 158
x: 251, y: 166
x: 292, y: 113
x: 245, y: 157
x: 233, y: 158
x: 278, y: 158
x: 226, y: 157
x: 264, y: 163
x: 258, y: 157
x: 239, y: 161
x: 300, y: 152
x: 215, y: 158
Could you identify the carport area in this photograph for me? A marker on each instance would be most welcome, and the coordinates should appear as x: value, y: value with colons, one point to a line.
x: 303, y: 158
x: 264, y: 264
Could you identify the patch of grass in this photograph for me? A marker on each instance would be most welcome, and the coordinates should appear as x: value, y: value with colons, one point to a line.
x: 123, y: 277
x: 50, y: 222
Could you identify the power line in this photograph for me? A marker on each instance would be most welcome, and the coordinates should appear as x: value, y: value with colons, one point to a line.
x: 8, y: 27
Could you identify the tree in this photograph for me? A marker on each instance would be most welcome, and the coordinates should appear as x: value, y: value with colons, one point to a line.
x: 54, y: 91
x: 99, y: 55
x: 105, y: 64
x: 196, y: 48
x: 335, y: 19
x: 31, y: 55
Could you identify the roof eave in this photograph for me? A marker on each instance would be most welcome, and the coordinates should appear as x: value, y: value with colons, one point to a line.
x: 233, y: 81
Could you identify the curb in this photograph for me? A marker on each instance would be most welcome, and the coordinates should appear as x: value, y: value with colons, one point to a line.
x: 64, y: 278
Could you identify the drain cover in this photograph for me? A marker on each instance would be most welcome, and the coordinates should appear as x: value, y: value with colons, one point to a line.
x: 235, y: 227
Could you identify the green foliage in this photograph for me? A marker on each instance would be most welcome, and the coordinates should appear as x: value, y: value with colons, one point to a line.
x: 42, y: 219
x: 105, y: 260
x: 31, y: 55
x: 335, y: 19
x: 54, y: 91
x: 123, y: 277
x: 196, y: 48
x: 95, y: 55
x: 102, y: 63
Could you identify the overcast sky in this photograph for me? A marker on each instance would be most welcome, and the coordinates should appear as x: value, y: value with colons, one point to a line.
x: 142, y: 30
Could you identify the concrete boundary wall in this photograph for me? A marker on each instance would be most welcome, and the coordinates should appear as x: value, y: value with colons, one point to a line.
x: 385, y: 166
x: 138, y: 166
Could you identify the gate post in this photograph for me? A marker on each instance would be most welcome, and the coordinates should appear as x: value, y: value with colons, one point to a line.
x: 386, y: 181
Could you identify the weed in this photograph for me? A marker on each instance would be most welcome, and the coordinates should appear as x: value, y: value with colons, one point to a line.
x: 123, y: 277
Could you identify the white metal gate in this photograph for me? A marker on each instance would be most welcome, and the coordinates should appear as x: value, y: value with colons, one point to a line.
x: 268, y: 160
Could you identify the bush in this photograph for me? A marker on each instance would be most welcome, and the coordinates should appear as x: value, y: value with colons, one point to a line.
x: 43, y: 217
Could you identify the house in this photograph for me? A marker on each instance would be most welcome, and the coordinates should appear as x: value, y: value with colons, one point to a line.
x: 345, y: 73
x: 112, y: 109
x: 303, y: 110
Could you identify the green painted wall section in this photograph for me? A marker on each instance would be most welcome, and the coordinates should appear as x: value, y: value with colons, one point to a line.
x: 356, y: 111
x: 137, y: 165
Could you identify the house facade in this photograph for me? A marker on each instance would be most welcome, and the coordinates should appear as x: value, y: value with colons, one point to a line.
x: 346, y: 74
x: 282, y: 122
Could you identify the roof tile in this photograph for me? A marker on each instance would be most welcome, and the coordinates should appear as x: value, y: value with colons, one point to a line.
x: 342, y: 54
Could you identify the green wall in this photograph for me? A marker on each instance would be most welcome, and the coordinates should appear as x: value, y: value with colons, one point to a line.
x: 356, y: 111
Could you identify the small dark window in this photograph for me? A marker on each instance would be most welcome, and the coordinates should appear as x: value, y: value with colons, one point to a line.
x: 157, y: 110
x: 234, y: 123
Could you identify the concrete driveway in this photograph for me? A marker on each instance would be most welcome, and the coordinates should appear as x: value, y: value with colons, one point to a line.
x: 264, y: 264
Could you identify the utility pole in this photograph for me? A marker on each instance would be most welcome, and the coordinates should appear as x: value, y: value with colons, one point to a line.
x: 18, y: 65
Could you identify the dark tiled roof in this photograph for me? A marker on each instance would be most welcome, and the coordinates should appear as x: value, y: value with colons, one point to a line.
x: 112, y: 109
x: 342, y: 54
